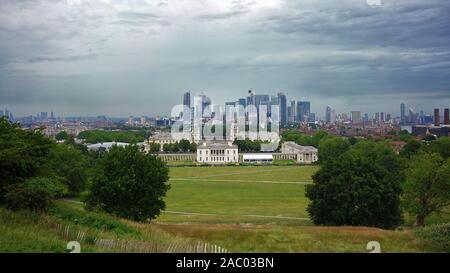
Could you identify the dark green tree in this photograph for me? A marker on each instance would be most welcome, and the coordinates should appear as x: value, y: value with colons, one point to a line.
x: 129, y: 184
x: 23, y: 154
x: 184, y: 145
x: 70, y: 166
x: 361, y: 187
x: 155, y: 147
x: 62, y: 135
x: 331, y: 148
x: 410, y: 149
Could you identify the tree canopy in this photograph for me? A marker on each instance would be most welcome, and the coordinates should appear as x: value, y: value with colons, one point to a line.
x: 129, y: 183
x: 360, y: 187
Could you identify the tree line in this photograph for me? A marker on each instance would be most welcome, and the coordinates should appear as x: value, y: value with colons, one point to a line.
x: 368, y: 184
x: 35, y: 170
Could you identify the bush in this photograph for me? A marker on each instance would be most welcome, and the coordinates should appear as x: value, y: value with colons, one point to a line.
x: 36, y: 194
x: 90, y: 219
x: 438, y: 235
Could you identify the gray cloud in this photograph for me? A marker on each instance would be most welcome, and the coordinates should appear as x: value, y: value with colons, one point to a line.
x: 137, y: 57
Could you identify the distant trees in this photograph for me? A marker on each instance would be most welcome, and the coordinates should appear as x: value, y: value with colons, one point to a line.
x: 183, y: 146
x: 427, y: 186
x: 62, y: 135
x: 410, y: 149
x: 100, y: 136
x: 360, y: 187
x: 331, y: 148
x: 155, y: 147
x: 304, y: 140
x: 248, y: 145
x: 129, y: 183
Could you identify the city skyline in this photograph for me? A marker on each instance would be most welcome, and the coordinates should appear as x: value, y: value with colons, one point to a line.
x: 135, y: 58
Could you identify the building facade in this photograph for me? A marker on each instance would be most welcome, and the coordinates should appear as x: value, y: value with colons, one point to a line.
x: 305, y: 154
x: 217, y: 153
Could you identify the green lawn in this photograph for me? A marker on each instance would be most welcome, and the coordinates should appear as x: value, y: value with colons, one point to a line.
x: 238, y: 194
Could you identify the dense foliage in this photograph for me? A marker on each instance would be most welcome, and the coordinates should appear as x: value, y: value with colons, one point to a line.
x: 36, y: 194
x: 360, y: 187
x: 438, y: 235
x: 100, y: 136
x: 22, y: 154
x: 305, y: 140
x: 427, y: 186
x: 69, y: 165
x: 129, y: 184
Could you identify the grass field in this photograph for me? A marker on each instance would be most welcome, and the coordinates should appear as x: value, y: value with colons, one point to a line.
x: 238, y: 194
x: 240, y: 208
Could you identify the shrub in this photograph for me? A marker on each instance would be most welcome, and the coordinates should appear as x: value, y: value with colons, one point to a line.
x: 36, y: 194
x: 438, y: 235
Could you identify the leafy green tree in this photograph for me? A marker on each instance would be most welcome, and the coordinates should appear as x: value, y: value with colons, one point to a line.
x: 184, y: 145
x: 62, y: 135
x: 23, y: 154
x: 155, y: 147
x: 129, y: 184
x: 410, y: 149
x: 440, y: 146
x: 193, y: 147
x: 331, y: 148
x: 317, y: 137
x: 70, y: 166
x: 361, y: 187
x: 427, y: 186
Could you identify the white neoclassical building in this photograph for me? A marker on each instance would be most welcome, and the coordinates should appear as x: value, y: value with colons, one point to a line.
x: 305, y: 154
x: 217, y: 153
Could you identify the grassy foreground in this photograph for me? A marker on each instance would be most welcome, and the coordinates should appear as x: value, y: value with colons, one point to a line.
x: 240, y: 208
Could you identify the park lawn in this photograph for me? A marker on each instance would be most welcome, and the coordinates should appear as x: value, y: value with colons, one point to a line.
x: 236, y: 199
x: 274, y: 173
x: 242, y: 194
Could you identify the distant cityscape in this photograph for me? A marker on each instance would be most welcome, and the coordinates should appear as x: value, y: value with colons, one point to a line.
x: 293, y: 114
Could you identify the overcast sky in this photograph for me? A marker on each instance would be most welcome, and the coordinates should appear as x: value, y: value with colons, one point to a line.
x: 136, y: 57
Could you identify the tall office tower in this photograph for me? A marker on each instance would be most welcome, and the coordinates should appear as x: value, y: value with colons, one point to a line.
x: 251, y: 98
x: 388, y: 117
x: 303, y: 110
x: 44, y: 115
x: 328, y: 114
x: 366, y: 117
x: 437, y: 121
x: 446, y: 116
x: 205, y: 103
x: 421, y: 117
x: 356, y: 116
x: 293, y: 111
x: 289, y: 113
x: 377, y: 117
x: 282, y: 102
x: 187, y: 99
x: 242, y: 102
x: 6, y: 112
x: 402, y: 113
x: 382, y: 116
x: 51, y: 115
